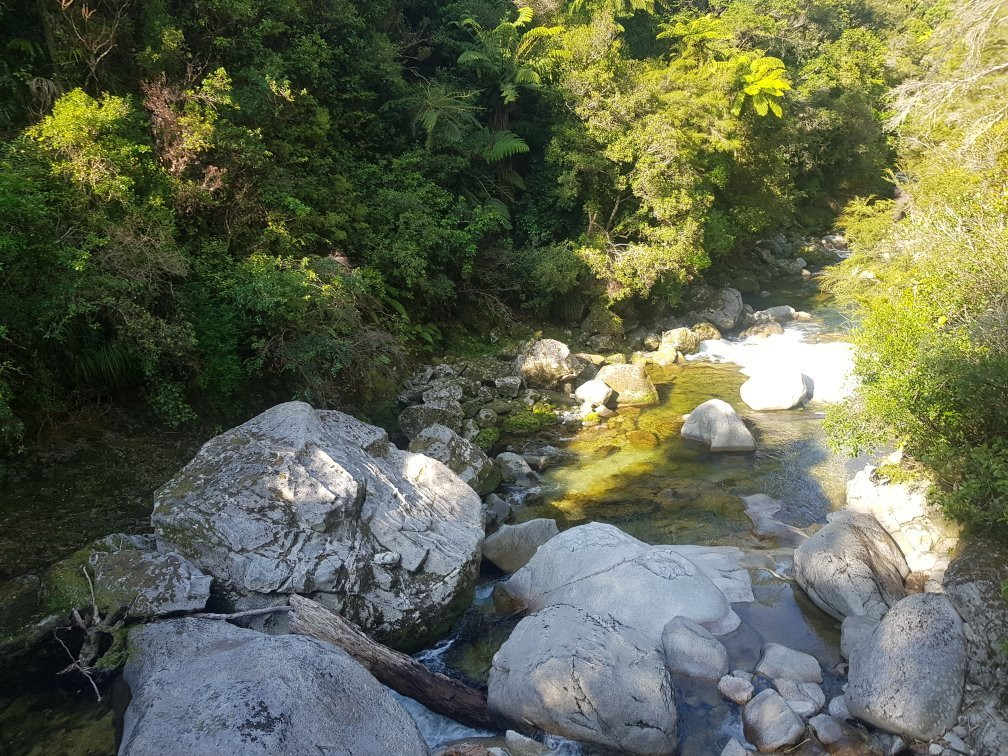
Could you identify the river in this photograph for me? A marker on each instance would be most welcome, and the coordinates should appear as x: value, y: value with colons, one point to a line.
x: 634, y: 472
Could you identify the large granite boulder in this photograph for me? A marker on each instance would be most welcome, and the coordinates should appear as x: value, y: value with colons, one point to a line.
x: 715, y: 423
x: 851, y: 566
x: 547, y: 363
x: 586, y: 677
x: 907, y: 677
x: 778, y: 389
x: 973, y: 583
x: 299, y: 500
x: 630, y: 382
x: 207, y: 687
x: 511, y: 546
x: 723, y: 308
x: 462, y: 457
x: 601, y: 569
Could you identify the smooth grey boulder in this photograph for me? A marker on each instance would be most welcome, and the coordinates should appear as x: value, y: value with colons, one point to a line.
x: 770, y: 723
x: 462, y: 457
x: 414, y: 419
x: 205, y: 687
x: 585, y: 677
x: 599, y: 568
x: 734, y: 748
x: 594, y: 393
x: 630, y: 382
x: 515, y: 470
x: 777, y: 389
x: 691, y: 650
x: 854, y: 630
x: 511, y: 546
x: 907, y: 677
x: 838, y: 708
x: 299, y: 500
x: 724, y: 309
x: 735, y: 689
x: 851, y: 566
x: 547, y: 363
x: 781, y: 662
x: 715, y: 423
x: 804, y: 698
x: 778, y: 314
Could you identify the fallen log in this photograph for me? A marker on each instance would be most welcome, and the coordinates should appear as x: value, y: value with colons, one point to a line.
x: 403, y: 674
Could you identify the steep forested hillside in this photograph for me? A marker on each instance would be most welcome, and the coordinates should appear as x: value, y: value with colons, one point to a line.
x: 207, y: 199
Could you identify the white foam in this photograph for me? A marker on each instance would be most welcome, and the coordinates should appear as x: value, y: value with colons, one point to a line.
x: 438, y: 730
x: 828, y: 364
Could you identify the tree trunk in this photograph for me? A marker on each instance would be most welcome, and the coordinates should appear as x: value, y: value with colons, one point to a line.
x: 402, y: 673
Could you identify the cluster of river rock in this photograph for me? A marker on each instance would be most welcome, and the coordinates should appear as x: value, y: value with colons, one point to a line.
x: 318, y: 503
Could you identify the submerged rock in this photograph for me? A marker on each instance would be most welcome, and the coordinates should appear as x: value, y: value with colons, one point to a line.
x: 299, y: 500
x: 512, y: 546
x: 208, y: 687
x: 631, y: 384
x: 462, y: 457
x: 585, y: 677
x: 760, y: 508
x: 851, y: 567
x: 715, y: 423
x: 907, y: 677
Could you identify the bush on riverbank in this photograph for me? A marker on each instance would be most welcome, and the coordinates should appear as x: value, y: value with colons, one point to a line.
x: 929, y: 279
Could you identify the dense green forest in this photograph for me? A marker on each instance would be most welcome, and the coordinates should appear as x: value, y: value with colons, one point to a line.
x: 209, y: 202
x: 204, y: 199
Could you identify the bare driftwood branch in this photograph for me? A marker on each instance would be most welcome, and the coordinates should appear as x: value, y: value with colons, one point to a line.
x: 398, y: 671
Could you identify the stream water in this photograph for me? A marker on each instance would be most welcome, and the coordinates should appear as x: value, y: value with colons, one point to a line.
x: 634, y: 472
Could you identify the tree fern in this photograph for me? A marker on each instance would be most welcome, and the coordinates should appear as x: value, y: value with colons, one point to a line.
x: 501, y: 145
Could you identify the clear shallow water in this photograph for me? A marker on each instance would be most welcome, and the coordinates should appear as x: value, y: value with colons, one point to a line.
x: 637, y: 473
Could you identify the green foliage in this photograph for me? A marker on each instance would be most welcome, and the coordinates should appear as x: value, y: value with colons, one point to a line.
x: 928, y: 282
x: 219, y: 203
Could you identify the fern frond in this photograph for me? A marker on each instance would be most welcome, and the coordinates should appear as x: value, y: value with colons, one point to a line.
x: 502, y: 145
